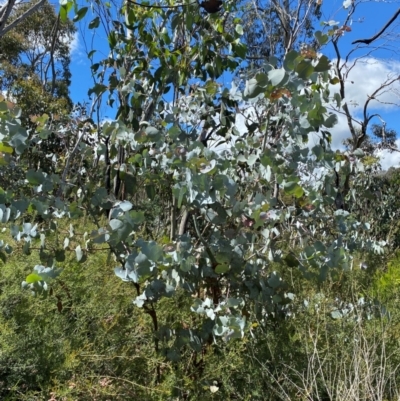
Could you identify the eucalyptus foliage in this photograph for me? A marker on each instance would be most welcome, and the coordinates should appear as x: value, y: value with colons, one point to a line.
x: 242, y: 204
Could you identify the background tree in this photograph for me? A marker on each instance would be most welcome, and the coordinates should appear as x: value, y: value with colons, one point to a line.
x: 379, y: 139
x: 35, y: 74
x: 35, y: 60
x: 274, y: 27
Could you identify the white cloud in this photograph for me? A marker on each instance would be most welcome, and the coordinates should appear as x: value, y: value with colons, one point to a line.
x: 75, y: 44
x: 390, y: 159
x: 38, y: 44
x: 72, y: 41
x: 365, y: 77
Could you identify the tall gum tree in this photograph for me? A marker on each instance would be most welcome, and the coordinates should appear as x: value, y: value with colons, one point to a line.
x: 35, y: 74
x: 38, y: 51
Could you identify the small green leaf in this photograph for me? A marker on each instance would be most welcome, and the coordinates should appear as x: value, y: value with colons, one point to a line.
x: 186, y: 265
x: 323, y: 64
x: 98, y: 89
x: 152, y: 250
x: 94, y: 23
x: 331, y: 121
x: 338, y: 99
x: 150, y: 191
x: 253, y: 88
x: 234, y: 302
x: 66, y: 7
x: 304, y: 69
x: 33, y: 278
x: 240, y: 49
x: 290, y: 60
x: 60, y: 255
x: 276, y: 76
x: 222, y: 268
x: 153, y: 134
x: 239, y: 29
x: 292, y: 188
x: 80, y: 14
x: 262, y: 79
x: 274, y: 280
x: 35, y: 177
x: 63, y: 14
x: 321, y: 38
x: 359, y: 153
x: 5, y: 148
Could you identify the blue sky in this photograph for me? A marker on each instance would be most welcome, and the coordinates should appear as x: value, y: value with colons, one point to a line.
x: 365, y: 77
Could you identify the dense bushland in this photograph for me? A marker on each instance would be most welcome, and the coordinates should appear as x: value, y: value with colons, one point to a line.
x: 208, y: 242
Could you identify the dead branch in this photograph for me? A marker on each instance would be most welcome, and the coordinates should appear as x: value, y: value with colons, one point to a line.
x: 370, y: 40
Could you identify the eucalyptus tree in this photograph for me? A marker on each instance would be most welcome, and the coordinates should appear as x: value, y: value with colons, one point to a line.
x: 35, y: 74
x: 274, y: 27
x: 229, y: 222
x: 36, y: 55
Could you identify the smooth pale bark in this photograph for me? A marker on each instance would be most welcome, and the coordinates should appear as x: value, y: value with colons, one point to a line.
x: 5, y: 12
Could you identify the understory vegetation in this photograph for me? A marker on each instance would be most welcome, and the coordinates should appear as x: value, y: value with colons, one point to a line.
x: 85, y: 340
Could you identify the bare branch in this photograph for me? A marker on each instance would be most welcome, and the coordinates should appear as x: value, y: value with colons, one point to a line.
x: 386, y: 84
x: 51, y: 51
x: 370, y: 40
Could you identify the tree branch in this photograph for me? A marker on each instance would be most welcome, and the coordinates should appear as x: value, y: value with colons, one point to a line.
x: 370, y: 40
x: 68, y: 163
x: 26, y: 14
x: 5, y: 12
x: 54, y: 34
x: 157, y: 6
